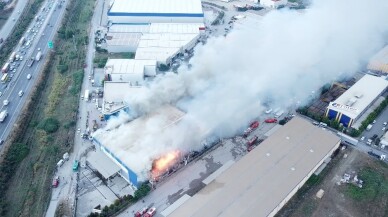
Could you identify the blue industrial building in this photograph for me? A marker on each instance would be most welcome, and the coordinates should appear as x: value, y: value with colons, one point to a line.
x: 351, y: 105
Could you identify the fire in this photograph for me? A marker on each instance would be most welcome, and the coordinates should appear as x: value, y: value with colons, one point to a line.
x: 162, y: 164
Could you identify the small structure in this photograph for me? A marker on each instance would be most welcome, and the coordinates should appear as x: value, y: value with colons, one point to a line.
x: 320, y: 193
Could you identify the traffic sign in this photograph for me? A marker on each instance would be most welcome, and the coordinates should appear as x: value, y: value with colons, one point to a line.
x: 50, y: 44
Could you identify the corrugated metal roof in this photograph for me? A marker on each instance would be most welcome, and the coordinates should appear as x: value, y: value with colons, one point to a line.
x: 128, y: 39
x: 127, y: 66
x: 156, y: 7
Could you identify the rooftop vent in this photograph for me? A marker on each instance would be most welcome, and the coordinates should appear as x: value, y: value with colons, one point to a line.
x: 351, y: 101
x: 293, y: 168
x: 358, y: 95
x: 268, y: 154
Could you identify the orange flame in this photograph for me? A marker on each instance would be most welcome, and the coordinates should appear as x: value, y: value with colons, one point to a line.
x: 164, y: 163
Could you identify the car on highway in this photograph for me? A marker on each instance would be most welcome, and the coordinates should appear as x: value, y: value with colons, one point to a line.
x: 385, y: 124
x: 28, y: 76
x: 383, y: 129
x: 21, y: 93
x: 6, y: 102
x: 271, y: 120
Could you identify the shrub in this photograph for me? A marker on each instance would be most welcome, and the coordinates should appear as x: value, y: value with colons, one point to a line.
x: 50, y: 125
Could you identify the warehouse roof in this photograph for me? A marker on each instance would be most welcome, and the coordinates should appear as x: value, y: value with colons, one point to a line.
x: 170, y: 8
x: 262, y: 179
x: 162, y: 47
x: 379, y: 62
x: 183, y: 28
x: 115, y: 93
x: 128, y: 66
x: 357, y: 98
x: 123, y: 39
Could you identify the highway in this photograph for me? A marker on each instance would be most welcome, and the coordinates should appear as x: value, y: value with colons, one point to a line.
x: 19, y: 80
x: 6, y: 30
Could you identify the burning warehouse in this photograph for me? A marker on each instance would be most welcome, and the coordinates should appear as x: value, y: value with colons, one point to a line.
x: 137, y: 150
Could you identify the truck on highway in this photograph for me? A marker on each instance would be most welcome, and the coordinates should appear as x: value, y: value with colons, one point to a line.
x: 369, y: 127
x: 3, y: 115
x: 38, y: 56
x: 5, y: 68
x: 12, y: 57
x: 22, y: 40
x: 4, y: 78
x: 30, y: 62
x: 87, y: 95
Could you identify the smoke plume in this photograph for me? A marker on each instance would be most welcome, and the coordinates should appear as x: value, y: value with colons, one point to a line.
x: 232, y: 78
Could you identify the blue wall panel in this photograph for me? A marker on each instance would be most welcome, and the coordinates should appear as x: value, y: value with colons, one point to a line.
x: 332, y: 114
x: 345, y: 120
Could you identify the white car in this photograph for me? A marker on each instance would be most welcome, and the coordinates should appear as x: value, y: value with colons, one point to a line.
x: 362, y: 138
x: 383, y: 129
x: 374, y: 121
x: 21, y: 93
x: 6, y: 102
x: 385, y: 124
x: 38, y: 48
x: 28, y: 76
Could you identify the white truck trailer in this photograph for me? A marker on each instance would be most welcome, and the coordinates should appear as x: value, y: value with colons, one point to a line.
x: 3, y: 115
x: 87, y: 95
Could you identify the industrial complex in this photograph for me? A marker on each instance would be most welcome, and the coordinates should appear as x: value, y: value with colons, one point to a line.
x: 352, y: 104
x: 125, y: 156
x: 281, y: 165
x: 155, y: 30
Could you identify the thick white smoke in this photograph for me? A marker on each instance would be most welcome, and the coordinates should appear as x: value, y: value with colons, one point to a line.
x: 281, y: 61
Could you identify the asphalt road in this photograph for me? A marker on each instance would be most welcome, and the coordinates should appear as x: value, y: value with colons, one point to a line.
x: 6, y: 30
x: 377, y: 127
x: 19, y: 81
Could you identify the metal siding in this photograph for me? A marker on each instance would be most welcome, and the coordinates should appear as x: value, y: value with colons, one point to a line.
x: 332, y: 114
x: 132, y: 176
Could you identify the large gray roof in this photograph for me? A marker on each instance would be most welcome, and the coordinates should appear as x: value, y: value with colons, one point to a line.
x: 261, y: 180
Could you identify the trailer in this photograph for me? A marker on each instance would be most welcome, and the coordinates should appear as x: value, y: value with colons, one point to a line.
x: 22, y: 40
x: 38, y: 56
x: 3, y: 115
x: 5, y: 68
x: 87, y: 95
x: 12, y: 57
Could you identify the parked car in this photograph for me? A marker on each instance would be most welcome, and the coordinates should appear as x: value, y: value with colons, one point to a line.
x: 254, y: 125
x: 271, y: 120
x: 362, y: 138
x: 385, y: 124
x: 56, y: 181
x: 374, y: 121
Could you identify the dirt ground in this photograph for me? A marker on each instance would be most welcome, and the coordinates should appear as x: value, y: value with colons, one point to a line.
x: 337, y: 201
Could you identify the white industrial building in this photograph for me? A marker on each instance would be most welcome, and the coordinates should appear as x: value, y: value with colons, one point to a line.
x: 273, y: 3
x: 115, y: 94
x: 379, y: 62
x: 155, y: 11
x: 352, y: 104
x: 155, y: 41
x: 264, y: 180
x: 129, y: 70
x: 122, y: 149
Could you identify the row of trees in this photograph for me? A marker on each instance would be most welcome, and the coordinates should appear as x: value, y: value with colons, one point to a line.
x: 321, y: 118
x: 123, y: 202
